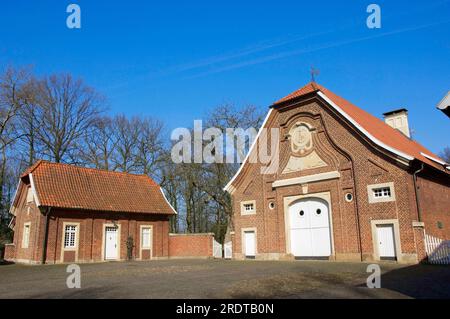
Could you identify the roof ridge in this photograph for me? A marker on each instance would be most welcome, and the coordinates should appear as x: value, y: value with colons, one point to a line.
x: 306, y: 89
x: 32, y: 168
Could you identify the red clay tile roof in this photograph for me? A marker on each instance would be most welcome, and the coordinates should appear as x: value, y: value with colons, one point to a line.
x: 73, y: 187
x: 376, y: 127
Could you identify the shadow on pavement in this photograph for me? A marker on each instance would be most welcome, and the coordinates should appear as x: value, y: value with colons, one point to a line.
x: 419, y: 281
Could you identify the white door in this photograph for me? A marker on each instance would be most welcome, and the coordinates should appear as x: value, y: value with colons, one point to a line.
x: 386, y: 242
x: 250, y: 243
x: 310, y: 228
x: 111, y: 243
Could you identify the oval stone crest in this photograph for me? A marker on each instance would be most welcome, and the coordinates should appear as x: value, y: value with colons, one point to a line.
x: 301, y: 138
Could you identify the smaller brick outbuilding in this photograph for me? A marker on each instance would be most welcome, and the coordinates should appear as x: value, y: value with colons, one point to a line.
x: 64, y: 213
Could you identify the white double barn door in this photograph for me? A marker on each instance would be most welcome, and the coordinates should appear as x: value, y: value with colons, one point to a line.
x: 310, y: 228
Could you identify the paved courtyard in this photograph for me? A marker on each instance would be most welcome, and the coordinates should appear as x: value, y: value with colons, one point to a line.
x: 225, y: 279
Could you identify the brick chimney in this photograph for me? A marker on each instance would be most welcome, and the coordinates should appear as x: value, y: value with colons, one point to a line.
x: 398, y: 119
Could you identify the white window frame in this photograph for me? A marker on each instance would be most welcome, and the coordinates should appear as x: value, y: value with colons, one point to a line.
x: 371, y: 191
x: 149, y: 245
x: 245, y: 211
x: 26, y: 235
x: 382, y: 192
x: 142, y: 247
x: 70, y: 235
x: 63, y: 236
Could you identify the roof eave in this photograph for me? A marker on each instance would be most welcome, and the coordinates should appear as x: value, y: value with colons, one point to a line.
x: 167, y: 201
x: 229, y: 187
x: 33, y: 189
x: 403, y: 157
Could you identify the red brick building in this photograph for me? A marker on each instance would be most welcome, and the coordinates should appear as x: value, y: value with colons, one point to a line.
x: 346, y: 186
x: 64, y: 213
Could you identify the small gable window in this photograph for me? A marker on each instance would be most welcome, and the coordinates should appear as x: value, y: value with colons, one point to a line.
x: 248, y: 207
x: 382, y: 192
x: 379, y: 193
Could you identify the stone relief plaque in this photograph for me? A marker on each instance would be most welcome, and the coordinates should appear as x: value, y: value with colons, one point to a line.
x: 310, y: 161
x: 301, y: 138
x: 303, y: 157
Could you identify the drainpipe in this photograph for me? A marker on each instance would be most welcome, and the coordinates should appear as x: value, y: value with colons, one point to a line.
x: 358, y: 222
x: 419, y: 213
x: 44, y: 243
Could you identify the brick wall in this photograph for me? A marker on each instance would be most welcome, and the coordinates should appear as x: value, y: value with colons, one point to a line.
x: 90, y: 230
x: 419, y: 235
x: 10, y: 251
x: 434, y: 196
x: 191, y: 245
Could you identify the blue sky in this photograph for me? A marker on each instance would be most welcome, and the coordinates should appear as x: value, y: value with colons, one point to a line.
x: 176, y: 60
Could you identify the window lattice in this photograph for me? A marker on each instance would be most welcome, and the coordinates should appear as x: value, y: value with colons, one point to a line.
x: 69, y: 236
x: 145, y: 237
x: 249, y: 207
x: 382, y: 192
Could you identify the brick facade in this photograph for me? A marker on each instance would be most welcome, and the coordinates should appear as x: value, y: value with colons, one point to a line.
x: 349, y: 153
x: 90, y: 235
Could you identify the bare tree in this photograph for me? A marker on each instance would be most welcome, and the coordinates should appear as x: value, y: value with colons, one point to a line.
x: 99, y: 144
x: 126, y: 134
x: 12, y: 82
x: 199, y: 187
x: 171, y: 184
x: 215, y: 176
x: 29, y: 123
x: 67, y: 108
x: 150, y: 146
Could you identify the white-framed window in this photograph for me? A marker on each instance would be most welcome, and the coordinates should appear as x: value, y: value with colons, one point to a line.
x: 29, y: 195
x: 379, y: 193
x: 70, y: 233
x: 146, y: 237
x: 26, y: 235
x: 248, y: 207
x: 382, y: 192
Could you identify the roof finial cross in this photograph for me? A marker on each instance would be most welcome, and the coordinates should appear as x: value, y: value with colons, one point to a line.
x: 314, y: 72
